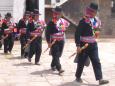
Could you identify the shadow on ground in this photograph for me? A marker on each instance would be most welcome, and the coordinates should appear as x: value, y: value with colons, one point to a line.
x: 74, y: 83
x: 14, y: 58
x: 5, y: 54
x: 44, y: 72
x: 23, y: 64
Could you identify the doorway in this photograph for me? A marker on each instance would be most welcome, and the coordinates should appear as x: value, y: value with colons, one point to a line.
x: 31, y: 5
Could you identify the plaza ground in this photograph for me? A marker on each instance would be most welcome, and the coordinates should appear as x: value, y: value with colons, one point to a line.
x: 15, y: 71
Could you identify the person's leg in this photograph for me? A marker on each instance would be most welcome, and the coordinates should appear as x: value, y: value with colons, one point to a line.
x: 38, y: 50
x: 22, y: 50
x: 82, y: 57
x: 61, y: 47
x: 11, y: 44
x: 53, y: 65
x: 23, y: 43
x: 31, y: 51
x: 6, y: 46
x: 0, y: 41
x: 96, y: 64
x: 56, y: 55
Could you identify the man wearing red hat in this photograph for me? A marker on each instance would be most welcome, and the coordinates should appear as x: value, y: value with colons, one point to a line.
x: 55, y: 38
x: 35, y: 29
x: 8, y: 27
x: 86, y: 33
x: 22, y: 27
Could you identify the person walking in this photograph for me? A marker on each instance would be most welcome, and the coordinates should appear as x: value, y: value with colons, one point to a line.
x: 86, y: 33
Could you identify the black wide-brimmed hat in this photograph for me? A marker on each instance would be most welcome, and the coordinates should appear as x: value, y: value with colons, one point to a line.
x: 57, y: 9
x: 91, y: 9
x: 8, y: 15
x: 94, y: 6
x: 36, y: 12
x: 27, y: 13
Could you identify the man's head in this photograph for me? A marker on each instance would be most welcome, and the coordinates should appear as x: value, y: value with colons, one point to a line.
x: 57, y: 13
x: 91, y: 11
x: 36, y: 14
x: 26, y: 15
x: 8, y: 16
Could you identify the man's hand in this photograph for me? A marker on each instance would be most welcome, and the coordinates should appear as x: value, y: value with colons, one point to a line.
x: 78, y: 49
x: 49, y: 45
x: 97, y: 33
x: 29, y: 41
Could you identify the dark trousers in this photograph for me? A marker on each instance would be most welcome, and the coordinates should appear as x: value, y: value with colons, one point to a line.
x: 1, y: 33
x: 56, y: 52
x: 23, y: 41
x: 92, y: 52
x: 36, y: 48
x: 8, y: 43
x: 0, y: 41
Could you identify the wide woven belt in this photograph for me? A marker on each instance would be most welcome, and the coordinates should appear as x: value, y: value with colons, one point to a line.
x: 57, y: 37
x: 23, y: 30
x: 88, y: 39
x: 7, y: 31
x: 35, y: 34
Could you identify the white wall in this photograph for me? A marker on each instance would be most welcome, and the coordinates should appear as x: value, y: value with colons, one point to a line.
x: 6, y: 6
x: 42, y: 9
x: 18, y: 9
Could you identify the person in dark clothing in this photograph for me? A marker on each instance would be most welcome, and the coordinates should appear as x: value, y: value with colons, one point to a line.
x: 1, y: 31
x: 7, y: 27
x: 35, y: 30
x: 55, y: 38
x: 22, y: 28
x: 86, y: 32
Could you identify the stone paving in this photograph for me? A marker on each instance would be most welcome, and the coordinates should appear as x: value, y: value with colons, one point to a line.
x: 19, y: 72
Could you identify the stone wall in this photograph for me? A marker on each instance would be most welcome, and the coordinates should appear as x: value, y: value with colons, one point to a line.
x: 74, y: 10
x: 108, y: 21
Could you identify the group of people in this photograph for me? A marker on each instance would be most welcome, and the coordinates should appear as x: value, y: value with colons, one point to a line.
x: 31, y: 27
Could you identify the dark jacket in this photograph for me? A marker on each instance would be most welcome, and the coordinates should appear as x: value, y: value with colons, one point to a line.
x: 50, y: 29
x: 83, y: 29
x: 5, y: 26
x: 22, y: 24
